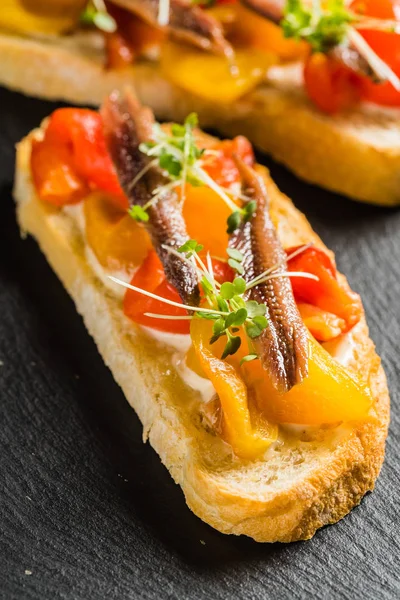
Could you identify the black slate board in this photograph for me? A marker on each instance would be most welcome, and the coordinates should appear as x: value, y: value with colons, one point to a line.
x: 88, y: 512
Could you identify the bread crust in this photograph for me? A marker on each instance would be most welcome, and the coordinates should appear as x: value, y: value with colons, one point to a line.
x: 235, y: 497
x: 356, y: 154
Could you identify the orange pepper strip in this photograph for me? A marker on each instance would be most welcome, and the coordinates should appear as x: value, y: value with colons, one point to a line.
x: 329, y: 394
x: 205, y: 214
x: 323, y: 325
x: 327, y: 293
x: 116, y: 239
x: 237, y: 428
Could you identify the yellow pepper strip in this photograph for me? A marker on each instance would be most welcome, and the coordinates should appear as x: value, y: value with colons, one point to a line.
x: 329, y: 394
x: 211, y: 76
x: 237, y: 428
x: 40, y: 16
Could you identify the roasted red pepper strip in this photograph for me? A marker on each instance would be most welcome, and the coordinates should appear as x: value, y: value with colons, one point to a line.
x: 327, y: 293
x: 221, y: 166
x: 80, y: 131
x: 151, y: 277
x: 54, y: 175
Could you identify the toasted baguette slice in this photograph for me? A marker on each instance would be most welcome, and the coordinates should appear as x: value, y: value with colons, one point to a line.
x: 356, y: 154
x: 308, y: 478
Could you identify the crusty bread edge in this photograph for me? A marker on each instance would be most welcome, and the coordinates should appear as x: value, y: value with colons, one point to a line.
x: 325, y: 496
x: 284, y: 125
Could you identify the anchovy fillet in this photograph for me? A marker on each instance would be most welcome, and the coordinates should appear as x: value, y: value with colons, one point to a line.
x: 187, y: 22
x: 283, y: 345
x: 126, y: 125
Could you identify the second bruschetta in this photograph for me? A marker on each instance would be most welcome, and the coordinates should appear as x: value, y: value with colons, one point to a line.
x: 324, y: 102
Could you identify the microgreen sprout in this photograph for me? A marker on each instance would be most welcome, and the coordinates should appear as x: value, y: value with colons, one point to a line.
x: 225, y: 304
x: 190, y: 248
x: 138, y: 213
x: 232, y: 311
x: 321, y: 28
x: 181, y: 160
x: 96, y: 14
x: 163, y: 12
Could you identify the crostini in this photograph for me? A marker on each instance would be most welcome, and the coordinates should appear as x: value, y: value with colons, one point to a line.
x: 324, y: 100
x: 219, y: 311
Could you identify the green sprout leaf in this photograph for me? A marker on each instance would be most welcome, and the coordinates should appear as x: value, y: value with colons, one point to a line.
x: 249, y: 210
x: 240, y: 285
x: 227, y: 290
x: 208, y: 316
x: 254, y: 309
x: 223, y: 306
x: 235, y: 254
x: 248, y: 358
x: 233, y: 221
x: 138, y: 213
x: 190, y: 247
x: 170, y: 164
x: 219, y: 327
x: 99, y: 18
x: 257, y: 326
x: 236, y: 318
x: 177, y: 130
x: 261, y: 321
x: 323, y: 29
x: 192, y: 120
x: 232, y: 346
x: 206, y: 286
x: 236, y: 266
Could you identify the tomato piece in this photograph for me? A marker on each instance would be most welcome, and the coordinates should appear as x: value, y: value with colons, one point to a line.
x: 332, y: 86
x: 385, y: 44
x: 380, y: 9
x: 81, y: 130
x: 150, y: 277
x: 222, y: 271
x: 54, y: 175
x: 326, y: 293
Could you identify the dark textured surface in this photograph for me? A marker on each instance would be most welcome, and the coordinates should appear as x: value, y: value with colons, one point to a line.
x: 89, y: 511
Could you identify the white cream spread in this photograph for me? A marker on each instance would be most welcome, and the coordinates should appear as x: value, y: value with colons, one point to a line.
x: 179, y: 341
x: 75, y: 212
x: 202, y: 385
x: 342, y: 348
x: 103, y: 274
